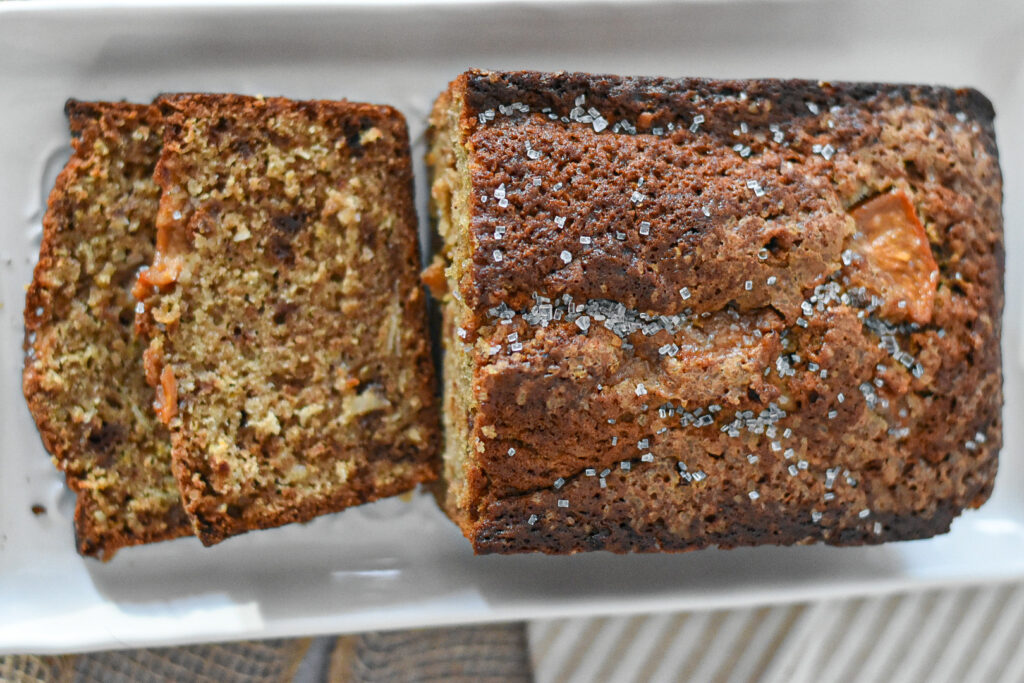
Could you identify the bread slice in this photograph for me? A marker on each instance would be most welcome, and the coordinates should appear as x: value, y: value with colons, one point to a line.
x: 289, y: 342
x: 682, y: 313
x: 83, y: 374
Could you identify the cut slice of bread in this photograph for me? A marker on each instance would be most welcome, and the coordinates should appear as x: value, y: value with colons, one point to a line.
x: 289, y: 345
x: 83, y: 375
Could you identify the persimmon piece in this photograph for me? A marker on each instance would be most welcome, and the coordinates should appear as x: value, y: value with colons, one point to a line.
x: 433, y: 277
x: 898, y: 264
x: 166, y: 404
x: 167, y: 262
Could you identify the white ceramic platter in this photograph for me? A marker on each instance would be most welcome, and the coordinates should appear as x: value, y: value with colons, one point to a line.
x: 396, y: 564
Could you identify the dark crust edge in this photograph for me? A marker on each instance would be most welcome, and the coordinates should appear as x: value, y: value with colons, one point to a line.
x: 83, y: 118
x: 633, y: 95
x: 176, y: 109
x: 212, y: 529
x: 498, y: 537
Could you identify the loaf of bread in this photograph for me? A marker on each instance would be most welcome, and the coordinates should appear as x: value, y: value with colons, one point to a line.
x: 684, y: 313
x: 287, y: 324
x: 83, y: 373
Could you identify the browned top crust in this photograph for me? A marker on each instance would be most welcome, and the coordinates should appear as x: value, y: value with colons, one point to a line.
x: 83, y: 373
x: 677, y: 173
x: 672, y: 319
x: 289, y: 344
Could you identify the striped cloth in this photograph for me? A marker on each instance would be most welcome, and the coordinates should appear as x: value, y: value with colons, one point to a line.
x: 949, y: 635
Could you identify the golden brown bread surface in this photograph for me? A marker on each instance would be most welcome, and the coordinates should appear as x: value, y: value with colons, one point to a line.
x: 683, y: 313
x: 289, y: 344
x: 83, y: 374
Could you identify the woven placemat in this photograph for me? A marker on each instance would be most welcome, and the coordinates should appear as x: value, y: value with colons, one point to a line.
x: 243, y: 662
x: 497, y: 652
x: 34, y: 669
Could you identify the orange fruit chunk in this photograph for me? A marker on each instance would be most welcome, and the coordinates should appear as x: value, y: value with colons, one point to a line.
x: 897, y: 262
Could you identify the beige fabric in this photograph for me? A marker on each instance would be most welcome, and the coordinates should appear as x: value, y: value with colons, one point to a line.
x: 454, y: 655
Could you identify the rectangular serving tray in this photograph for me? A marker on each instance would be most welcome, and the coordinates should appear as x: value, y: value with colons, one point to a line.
x: 399, y: 564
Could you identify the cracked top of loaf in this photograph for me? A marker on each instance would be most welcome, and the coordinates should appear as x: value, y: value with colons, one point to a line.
x: 694, y: 312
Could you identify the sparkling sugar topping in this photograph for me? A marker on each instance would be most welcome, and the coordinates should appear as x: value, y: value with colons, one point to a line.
x: 777, y: 448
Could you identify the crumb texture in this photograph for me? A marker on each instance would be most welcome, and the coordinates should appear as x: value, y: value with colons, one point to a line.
x: 682, y: 313
x: 289, y: 347
x: 83, y: 374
